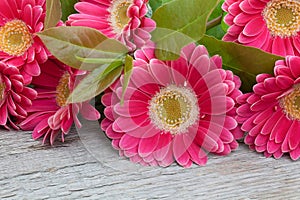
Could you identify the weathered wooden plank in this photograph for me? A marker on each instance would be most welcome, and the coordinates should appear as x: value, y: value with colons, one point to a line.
x: 86, y: 167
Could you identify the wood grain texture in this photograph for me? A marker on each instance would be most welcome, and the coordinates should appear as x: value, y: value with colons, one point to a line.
x: 86, y: 167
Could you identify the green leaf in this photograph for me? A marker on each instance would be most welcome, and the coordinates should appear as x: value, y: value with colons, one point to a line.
x: 95, y: 83
x: 127, y: 75
x: 157, y: 3
x: 217, y: 32
x: 214, y: 22
x: 224, y: 26
x: 217, y: 11
x: 180, y: 18
x: 169, y: 48
x: 97, y: 60
x: 244, y: 61
x: 67, y: 8
x: 68, y: 43
x: 111, y: 68
x: 53, y: 13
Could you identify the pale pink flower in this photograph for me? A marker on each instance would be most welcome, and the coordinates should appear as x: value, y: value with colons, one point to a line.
x: 271, y: 113
x: 50, y: 115
x: 270, y: 25
x: 15, y: 97
x: 173, y: 111
x: 121, y: 19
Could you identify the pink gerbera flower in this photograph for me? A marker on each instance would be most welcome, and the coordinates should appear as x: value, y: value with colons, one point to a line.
x: 271, y: 25
x: 19, y: 46
x: 15, y: 98
x: 271, y: 114
x: 178, y: 110
x: 121, y: 19
x: 50, y: 115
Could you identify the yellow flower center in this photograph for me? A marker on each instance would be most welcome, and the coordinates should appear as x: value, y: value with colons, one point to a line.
x: 283, y: 17
x: 174, y: 109
x: 118, y: 15
x: 63, y: 90
x: 2, y: 89
x: 15, y: 38
x: 291, y: 104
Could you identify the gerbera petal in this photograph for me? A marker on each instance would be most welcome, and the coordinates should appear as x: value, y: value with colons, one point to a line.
x: 253, y: 23
x: 278, y: 154
x: 3, y: 116
x: 132, y: 94
x: 216, y: 105
x: 144, y: 81
x: 163, y: 146
x: 89, y: 112
x: 254, y: 27
x: 128, y: 142
x: 280, y: 129
x: 293, y: 62
x: 131, y: 108
x: 295, y: 154
x: 284, y: 82
x: 105, y: 17
x: 160, y: 72
x: 269, y: 115
x: 271, y: 122
x: 40, y: 129
x: 143, y: 124
x: 8, y: 9
x: 197, y: 155
x: 180, y: 151
x: 261, y: 140
x: 272, y: 146
x: 90, y: 9
x: 148, y: 145
x: 66, y: 125
x: 278, y: 46
x: 143, y: 131
x: 125, y: 124
x: 27, y: 14
x: 294, y: 136
x: 32, y: 68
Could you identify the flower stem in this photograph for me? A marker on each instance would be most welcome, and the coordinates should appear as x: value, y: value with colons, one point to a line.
x: 214, y: 22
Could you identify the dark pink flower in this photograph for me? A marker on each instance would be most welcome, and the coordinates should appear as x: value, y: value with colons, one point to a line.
x: 271, y: 25
x: 15, y: 97
x: 50, y: 115
x: 121, y: 19
x: 19, y: 45
x: 271, y: 113
x: 173, y: 111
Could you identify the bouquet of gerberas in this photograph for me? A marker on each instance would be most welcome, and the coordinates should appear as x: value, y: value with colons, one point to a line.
x: 170, y: 74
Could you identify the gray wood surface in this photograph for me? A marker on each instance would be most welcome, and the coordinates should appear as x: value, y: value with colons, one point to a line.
x: 86, y: 167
